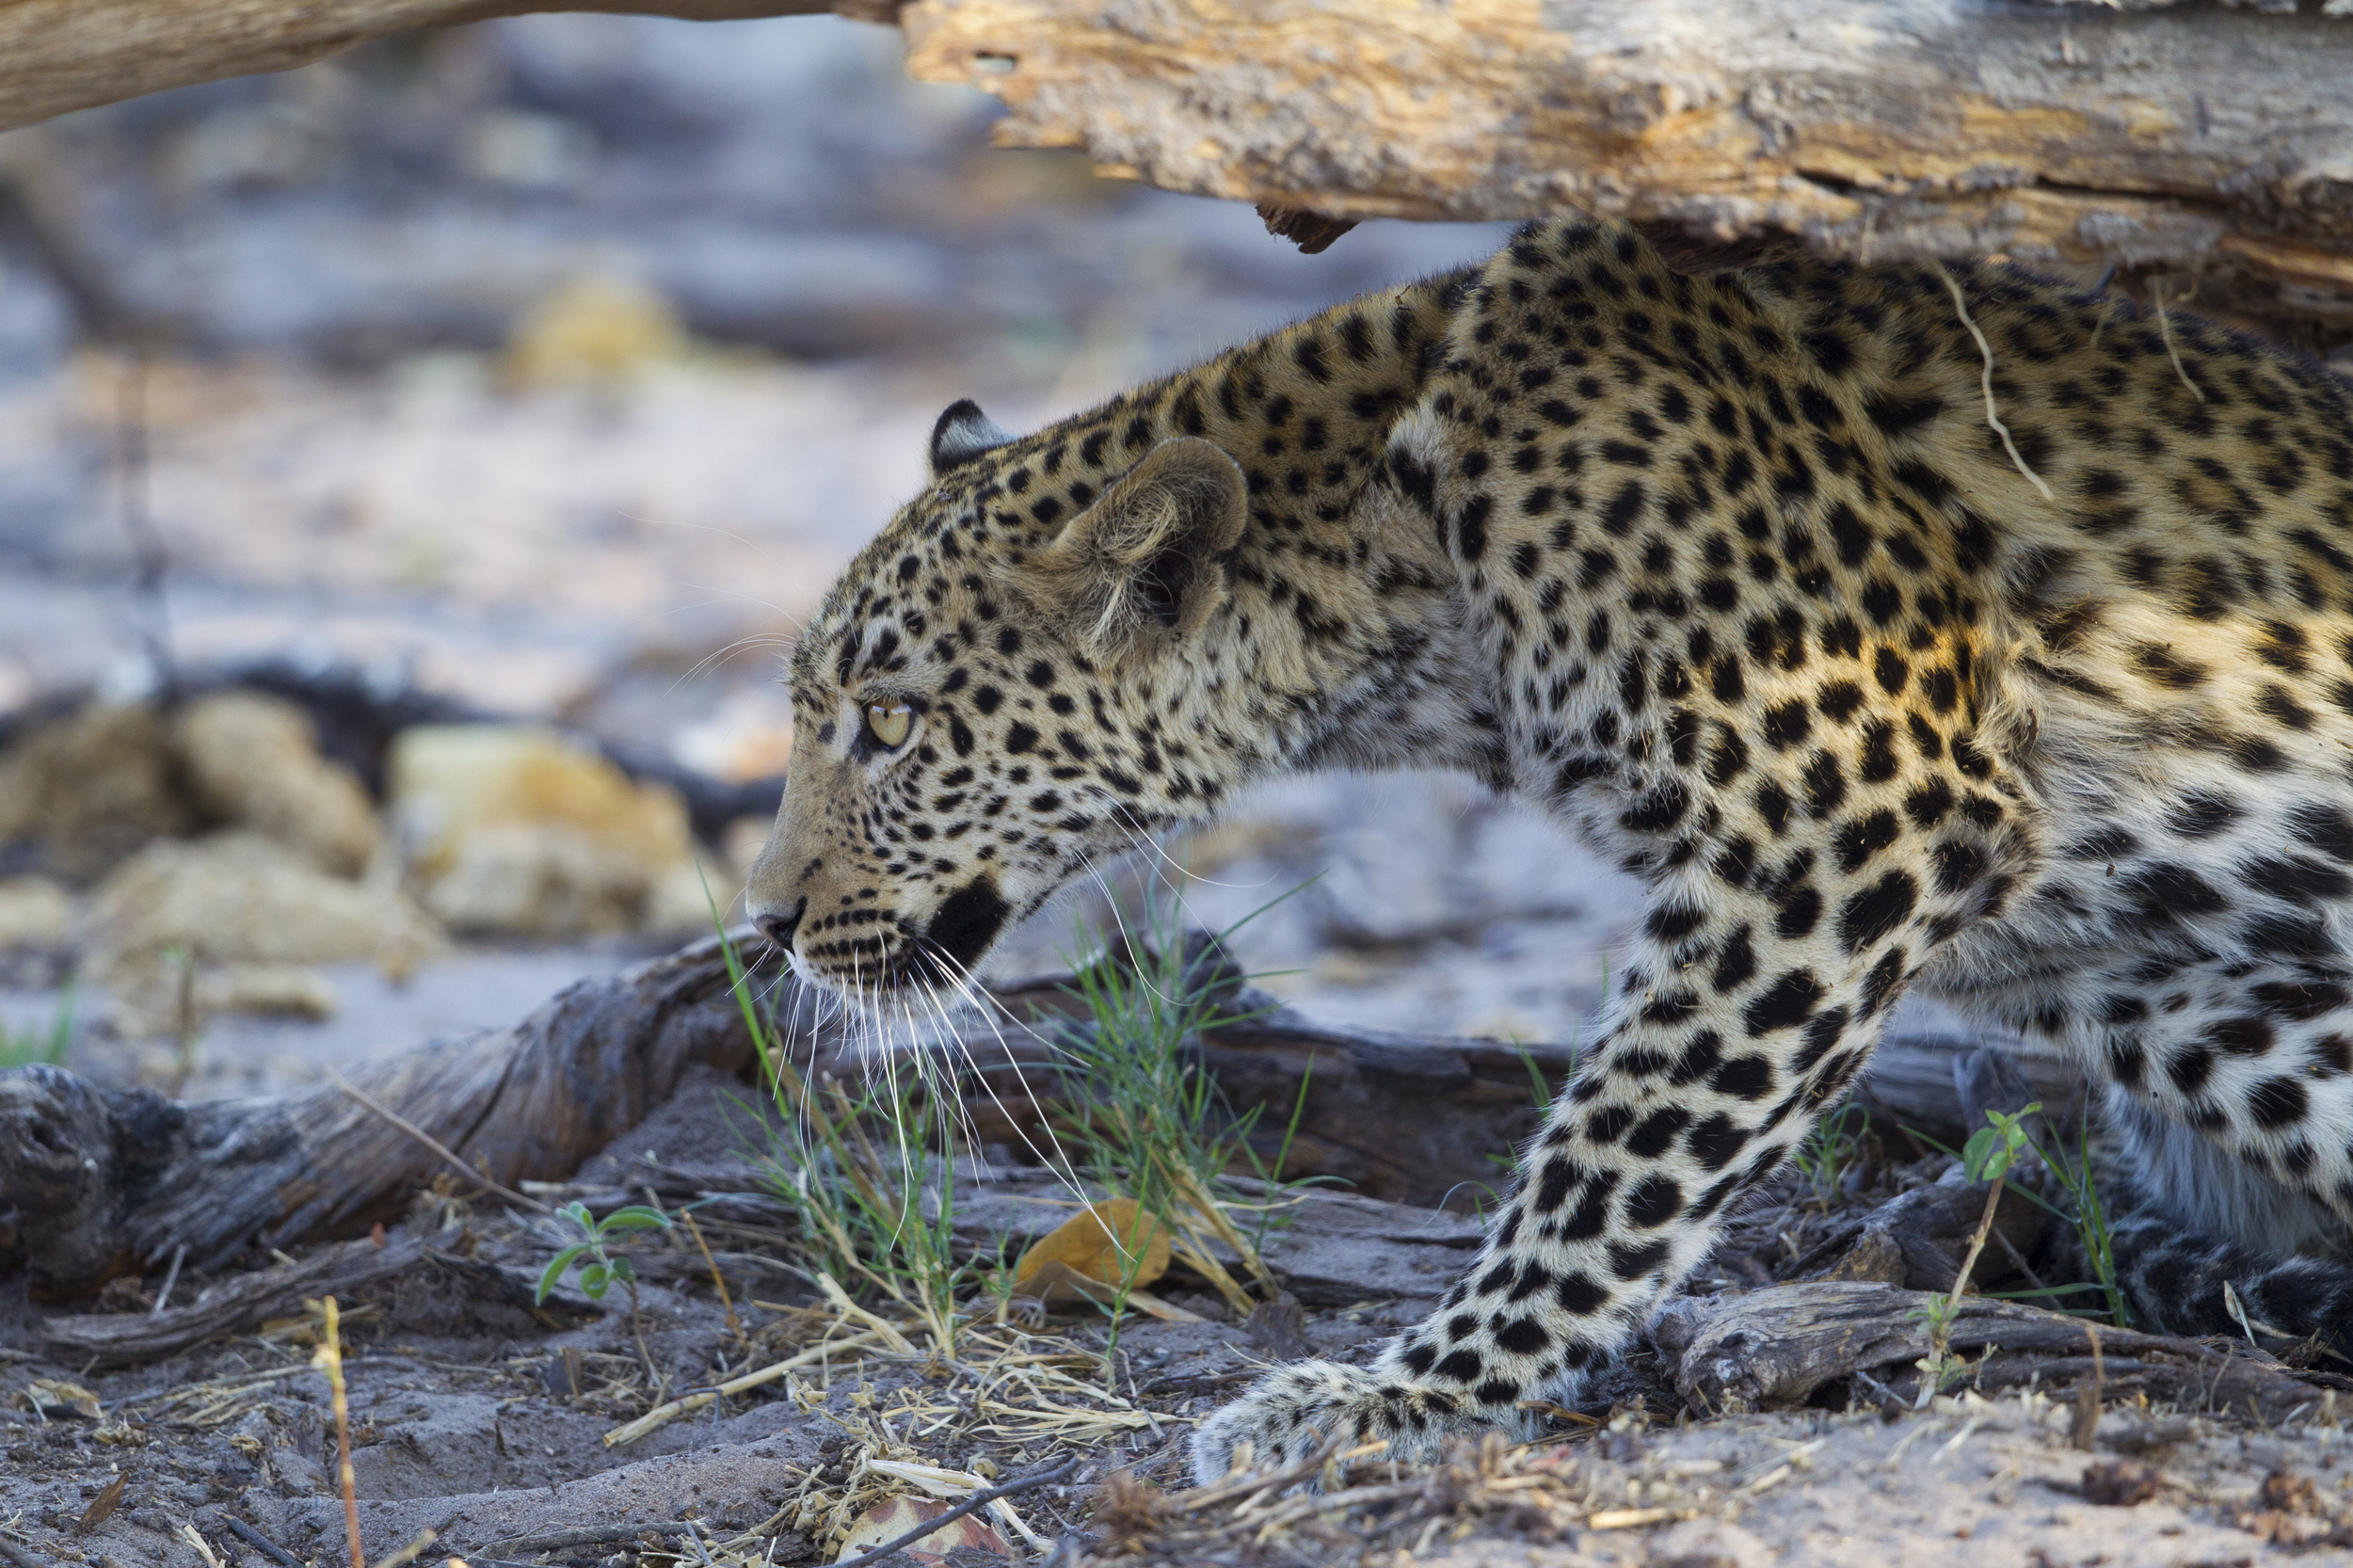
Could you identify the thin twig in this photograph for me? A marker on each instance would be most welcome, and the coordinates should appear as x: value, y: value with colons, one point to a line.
x: 172, y: 1276
x: 1991, y: 417
x: 261, y: 1544
x: 2088, y: 1397
x: 2019, y: 1262
x: 2165, y: 330
x: 1257, y: 1480
x: 409, y: 1553
x: 331, y: 1360
x: 736, y: 1324
x: 972, y: 1504
x: 439, y: 1147
x: 1977, y: 1242
x: 578, y: 1535
x: 663, y: 1415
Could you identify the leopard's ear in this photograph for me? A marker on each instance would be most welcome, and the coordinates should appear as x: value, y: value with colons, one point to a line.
x: 963, y: 433
x: 1154, y: 556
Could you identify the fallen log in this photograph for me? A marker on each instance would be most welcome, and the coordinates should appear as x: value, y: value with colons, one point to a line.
x: 58, y: 55
x: 2189, y: 145
x: 243, y: 1303
x: 1918, y: 1240
x: 2193, y: 142
x: 1779, y: 1347
x: 95, y: 1182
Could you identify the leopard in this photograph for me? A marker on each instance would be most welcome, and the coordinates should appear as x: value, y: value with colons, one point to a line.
x: 1904, y: 626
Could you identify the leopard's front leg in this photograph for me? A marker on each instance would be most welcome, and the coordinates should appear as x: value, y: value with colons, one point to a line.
x: 1751, y: 1004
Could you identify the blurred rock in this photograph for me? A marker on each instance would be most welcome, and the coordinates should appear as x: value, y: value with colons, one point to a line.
x: 593, y: 331
x: 232, y: 901
x: 684, y: 902
x: 90, y: 789
x: 281, y: 991
x: 254, y: 762
x: 34, y: 912
x: 516, y: 829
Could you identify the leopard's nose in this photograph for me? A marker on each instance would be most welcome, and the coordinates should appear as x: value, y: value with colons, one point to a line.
x: 778, y: 925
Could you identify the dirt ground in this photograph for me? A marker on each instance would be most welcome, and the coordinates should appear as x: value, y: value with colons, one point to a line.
x: 485, y: 1421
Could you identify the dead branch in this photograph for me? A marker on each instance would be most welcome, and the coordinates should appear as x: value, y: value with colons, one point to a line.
x: 96, y: 1180
x: 1777, y: 1347
x: 2201, y: 141
x: 56, y: 55
x: 2170, y: 139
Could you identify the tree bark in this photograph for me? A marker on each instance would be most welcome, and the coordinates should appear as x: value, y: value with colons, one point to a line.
x: 2193, y: 147
x: 56, y: 55
x: 97, y: 1181
x: 1775, y: 1348
x: 2212, y: 143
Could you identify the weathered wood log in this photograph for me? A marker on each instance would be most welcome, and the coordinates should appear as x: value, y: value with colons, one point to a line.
x: 1918, y: 1240
x: 1329, y: 1248
x: 2189, y: 145
x: 1777, y: 1347
x: 2190, y: 141
x: 243, y: 1303
x: 58, y: 55
x: 93, y: 1181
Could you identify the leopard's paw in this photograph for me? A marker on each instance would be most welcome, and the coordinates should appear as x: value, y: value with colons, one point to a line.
x: 1295, y: 1410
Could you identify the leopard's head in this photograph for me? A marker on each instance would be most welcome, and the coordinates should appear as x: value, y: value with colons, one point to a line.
x: 1017, y: 678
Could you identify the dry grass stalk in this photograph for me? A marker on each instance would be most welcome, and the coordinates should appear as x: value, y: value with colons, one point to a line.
x: 727, y: 1302
x: 202, y: 1547
x: 329, y: 1359
x: 404, y: 1125
x: 2088, y: 1397
x: 2165, y: 330
x: 661, y: 1416
x: 1992, y: 418
x: 407, y: 1554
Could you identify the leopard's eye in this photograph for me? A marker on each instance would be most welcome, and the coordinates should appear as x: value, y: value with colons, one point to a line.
x: 888, y: 723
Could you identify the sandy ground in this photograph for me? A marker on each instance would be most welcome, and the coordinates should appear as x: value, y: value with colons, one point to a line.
x: 485, y: 1421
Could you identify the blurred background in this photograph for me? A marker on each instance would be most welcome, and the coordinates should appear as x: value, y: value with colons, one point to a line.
x: 410, y: 468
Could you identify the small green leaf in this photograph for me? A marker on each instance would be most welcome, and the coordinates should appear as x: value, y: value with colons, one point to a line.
x: 636, y: 1217
x: 553, y: 1274
x: 593, y: 1280
x: 624, y: 1270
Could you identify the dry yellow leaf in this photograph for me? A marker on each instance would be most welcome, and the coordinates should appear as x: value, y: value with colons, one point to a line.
x: 894, y: 1516
x: 1115, y: 1243
x: 55, y: 1397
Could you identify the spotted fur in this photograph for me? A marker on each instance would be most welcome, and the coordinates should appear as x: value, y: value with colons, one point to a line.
x: 1737, y: 573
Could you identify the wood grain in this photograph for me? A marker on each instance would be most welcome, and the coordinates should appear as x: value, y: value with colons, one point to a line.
x: 58, y: 55
x: 2206, y: 141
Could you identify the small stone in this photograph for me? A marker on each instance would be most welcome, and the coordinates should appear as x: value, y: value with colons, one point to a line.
x: 254, y: 762
x: 518, y: 829
x: 2119, y: 1482
x: 243, y: 908
x: 34, y: 912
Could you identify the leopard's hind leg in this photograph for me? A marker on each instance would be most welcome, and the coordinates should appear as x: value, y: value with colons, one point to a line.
x: 2188, y: 1218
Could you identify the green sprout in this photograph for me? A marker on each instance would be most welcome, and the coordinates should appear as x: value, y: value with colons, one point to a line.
x: 602, y: 1266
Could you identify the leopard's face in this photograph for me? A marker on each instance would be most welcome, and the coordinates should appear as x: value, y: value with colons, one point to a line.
x: 982, y: 709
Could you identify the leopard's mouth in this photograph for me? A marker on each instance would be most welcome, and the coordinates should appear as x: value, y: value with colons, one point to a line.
x: 900, y: 961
